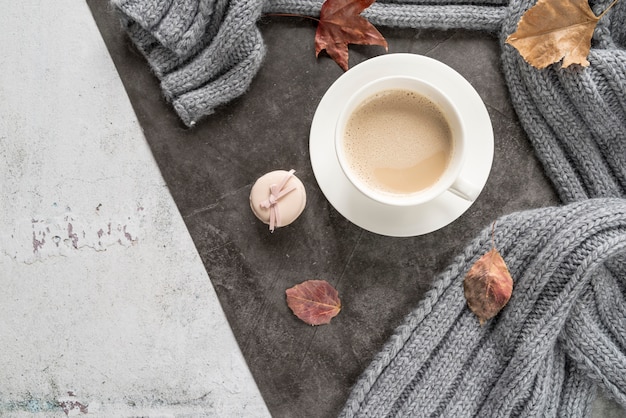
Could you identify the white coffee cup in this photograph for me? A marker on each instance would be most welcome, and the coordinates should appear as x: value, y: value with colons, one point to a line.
x: 450, y: 179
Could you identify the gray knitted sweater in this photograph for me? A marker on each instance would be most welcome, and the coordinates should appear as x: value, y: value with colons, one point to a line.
x: 563, y: 332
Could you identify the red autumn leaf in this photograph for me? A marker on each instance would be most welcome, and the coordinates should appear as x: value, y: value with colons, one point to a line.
x: 488, y: 286
x: 341, y: 24
x: 315, y: 302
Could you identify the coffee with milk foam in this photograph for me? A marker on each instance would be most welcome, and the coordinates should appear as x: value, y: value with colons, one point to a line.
x: 398, y: 142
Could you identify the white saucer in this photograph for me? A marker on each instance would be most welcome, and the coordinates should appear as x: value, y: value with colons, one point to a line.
x: 365, y: 212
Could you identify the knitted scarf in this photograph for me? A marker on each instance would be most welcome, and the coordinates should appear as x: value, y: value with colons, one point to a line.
x: 563, y: 332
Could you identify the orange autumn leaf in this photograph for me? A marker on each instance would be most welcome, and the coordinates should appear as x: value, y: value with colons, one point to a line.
x: 488, y: 286
x: 315, y: 302
x: 552, y: 30
x: 341, y: 24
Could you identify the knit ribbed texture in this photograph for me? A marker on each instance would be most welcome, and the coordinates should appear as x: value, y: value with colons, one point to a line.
x: 205, y: 52
x: 563, y: 329
x: 563, y: 332
x: 453, y: 14
x: 574, y: 117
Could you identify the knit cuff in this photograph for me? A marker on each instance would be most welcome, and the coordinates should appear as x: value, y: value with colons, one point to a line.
x: 205, y: 52
x: 178, y: 25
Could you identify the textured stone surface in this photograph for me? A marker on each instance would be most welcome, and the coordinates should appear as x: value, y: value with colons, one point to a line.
x: 105, y: 307
x: 303, y: 370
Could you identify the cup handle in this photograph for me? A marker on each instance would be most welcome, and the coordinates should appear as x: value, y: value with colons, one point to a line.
x: 464, y: 189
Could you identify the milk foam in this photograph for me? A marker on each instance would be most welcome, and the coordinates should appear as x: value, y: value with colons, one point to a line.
x: 398, y: 142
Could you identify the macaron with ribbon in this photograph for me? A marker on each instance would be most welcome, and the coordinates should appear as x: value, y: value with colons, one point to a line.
x: 278, y: 198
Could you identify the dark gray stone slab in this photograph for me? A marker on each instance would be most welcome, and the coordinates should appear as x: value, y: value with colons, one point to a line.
x: 303, y: 370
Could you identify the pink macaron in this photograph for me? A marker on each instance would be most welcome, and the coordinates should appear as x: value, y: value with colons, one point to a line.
x: 278, y: 198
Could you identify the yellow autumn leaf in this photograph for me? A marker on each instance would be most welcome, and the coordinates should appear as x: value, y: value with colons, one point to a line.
x: 552, y: 30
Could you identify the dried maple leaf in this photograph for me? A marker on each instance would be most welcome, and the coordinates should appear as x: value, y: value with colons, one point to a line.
x: 341, y: 24
x: 315, y: 302
x: 552, y: 30
x: 488, y: 286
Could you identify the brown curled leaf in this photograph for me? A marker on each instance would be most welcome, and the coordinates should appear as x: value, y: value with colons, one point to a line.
x: 341, y: 24
x: 488, y: 286
x: 315, y: 302
x: 552, y: 30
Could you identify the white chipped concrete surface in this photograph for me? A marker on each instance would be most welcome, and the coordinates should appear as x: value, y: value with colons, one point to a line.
x: 105, y: 306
